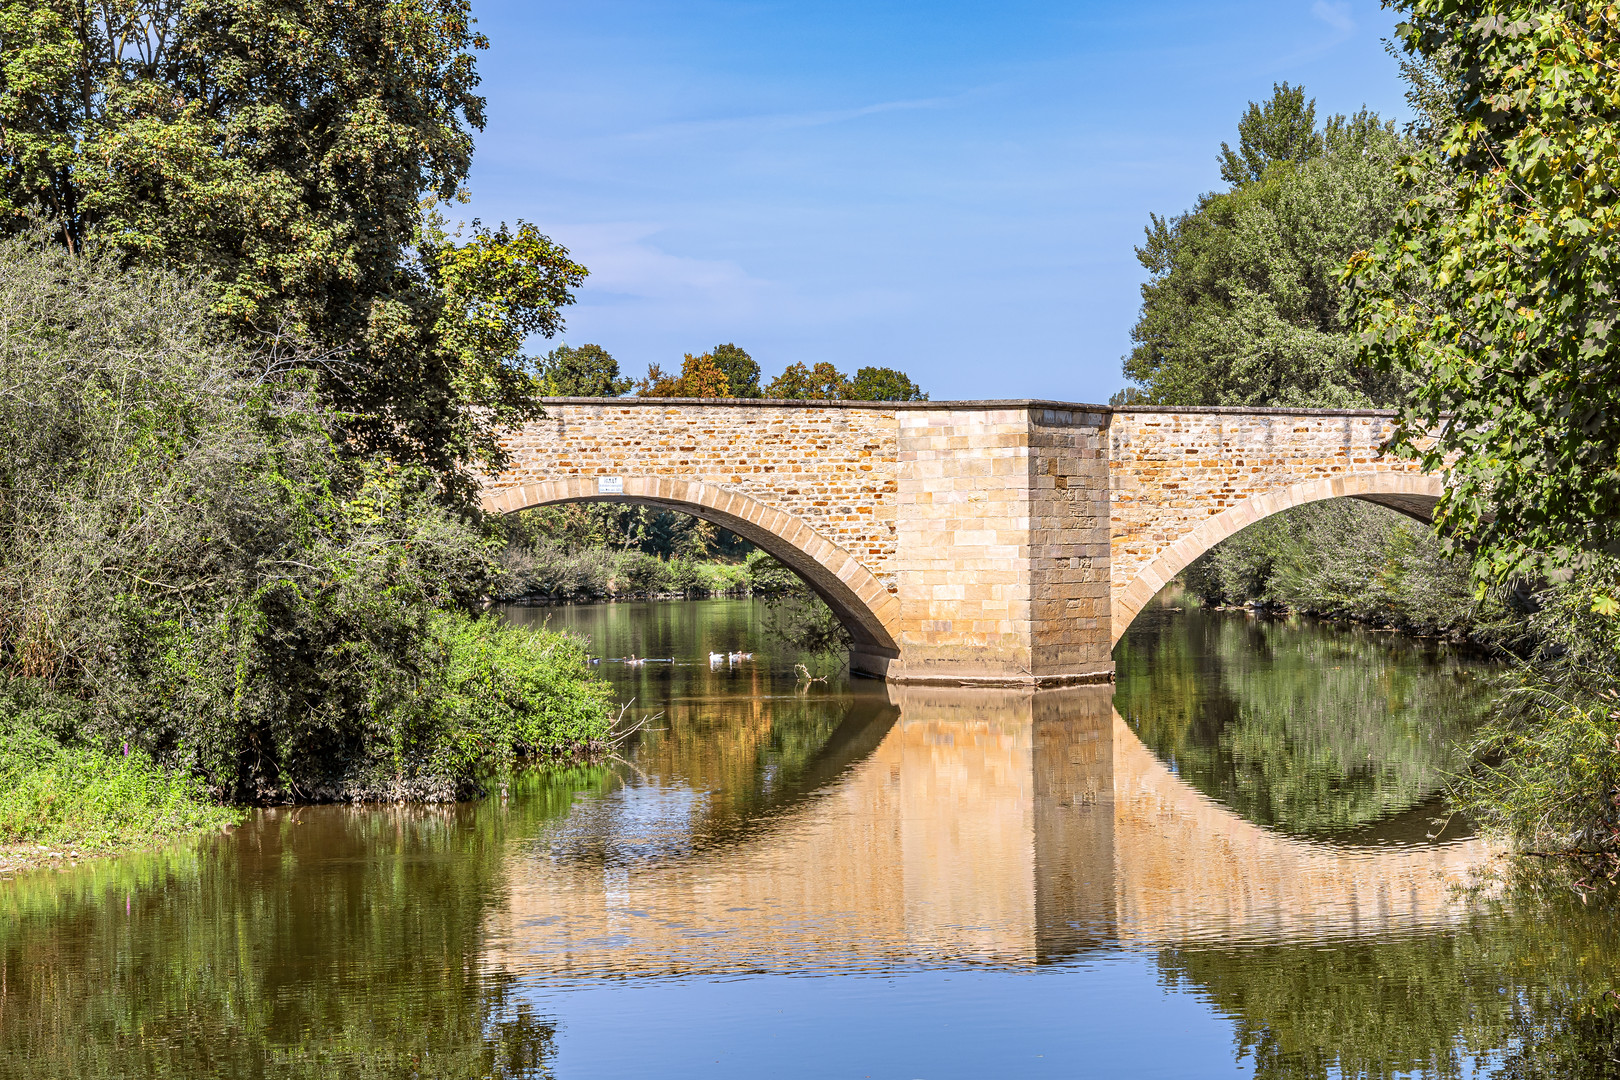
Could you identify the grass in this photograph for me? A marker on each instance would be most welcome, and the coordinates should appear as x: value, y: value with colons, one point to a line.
x: 79, y: 798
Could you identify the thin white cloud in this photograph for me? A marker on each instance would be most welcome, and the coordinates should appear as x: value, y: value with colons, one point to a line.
x: 790, y: 121
x: 1336, y: 15
x: 644, y: 303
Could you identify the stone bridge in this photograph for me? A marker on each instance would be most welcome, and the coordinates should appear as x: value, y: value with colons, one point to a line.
x: 964, y: 542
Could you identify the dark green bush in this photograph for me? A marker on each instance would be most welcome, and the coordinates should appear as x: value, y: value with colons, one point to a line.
x: 191, y: 562
x: 1345, y: 559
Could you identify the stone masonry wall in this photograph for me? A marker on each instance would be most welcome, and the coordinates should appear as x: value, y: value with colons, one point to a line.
x: 1003, y: 552
x: 965, y: 542
x: 1068, y: 548
x: 1170, y: 471
x: 831, y: 467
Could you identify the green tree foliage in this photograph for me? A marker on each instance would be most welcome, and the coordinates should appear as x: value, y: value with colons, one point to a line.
x: 824, y: 382
x: 287, y: 151
x: 1345, y: 559
x: 1283, y: 129
x: 1244, y: 304
x: 192, y: 565
x: 588, y: 371
x: 884, y: 384
x: 821, y: 383
x: 700, y: 377
x: 742, y: 372
x: 594, y: 551
x: 1548, y: 762
x: 1495, y: 292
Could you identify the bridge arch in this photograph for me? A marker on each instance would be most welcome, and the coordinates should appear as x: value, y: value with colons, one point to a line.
x: 1410, y: 493
x: 862, y: 603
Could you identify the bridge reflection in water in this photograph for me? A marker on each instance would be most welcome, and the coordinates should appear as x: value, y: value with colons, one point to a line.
x: 984, y: 827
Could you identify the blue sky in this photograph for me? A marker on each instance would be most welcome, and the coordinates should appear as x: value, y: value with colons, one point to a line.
x: 948, y: 188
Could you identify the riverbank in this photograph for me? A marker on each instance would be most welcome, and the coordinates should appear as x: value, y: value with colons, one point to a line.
x: 543, y: 600
x: 25, y: 858
x: 546, y: 574
x: 60, y: 805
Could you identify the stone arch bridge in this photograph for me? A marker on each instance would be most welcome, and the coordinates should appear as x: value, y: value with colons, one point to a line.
x: 964, y: 542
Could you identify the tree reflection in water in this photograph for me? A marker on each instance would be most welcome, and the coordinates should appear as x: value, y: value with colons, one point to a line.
x: 312, y: 943
x: 1523, y: 990
x: 1246, y: 854
x: 1312, y: 729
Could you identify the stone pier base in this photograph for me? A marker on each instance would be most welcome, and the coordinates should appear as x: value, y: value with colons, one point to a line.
x: 1002, y: 548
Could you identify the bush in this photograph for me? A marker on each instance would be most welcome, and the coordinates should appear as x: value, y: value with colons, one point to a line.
x: 715, y: 577
x: 1547, y: 771
x: 194, y: 565
x: 512, y: 694
x: 541, y: 568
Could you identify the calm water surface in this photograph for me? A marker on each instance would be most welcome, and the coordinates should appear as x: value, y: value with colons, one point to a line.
x: 1221, y: 867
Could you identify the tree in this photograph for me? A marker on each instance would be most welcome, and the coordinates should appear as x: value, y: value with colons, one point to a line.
x: 742, y: 373
x: 700, y: 377
x: 824, y: 382
x: 884, y: 384
x: 1495, y: 294
x: 1245, y: 304
x: 588, y: 371
x: 1495, y: 291
x: 287, y: 151
x: 1283, y: 129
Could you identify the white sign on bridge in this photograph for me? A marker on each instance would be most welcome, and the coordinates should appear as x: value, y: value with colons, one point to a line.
x: 610, y: 485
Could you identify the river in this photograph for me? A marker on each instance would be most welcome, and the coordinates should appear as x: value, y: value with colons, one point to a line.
x: 1232, y: 863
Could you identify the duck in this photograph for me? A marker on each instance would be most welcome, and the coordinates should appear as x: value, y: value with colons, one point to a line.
x: 636, y: 661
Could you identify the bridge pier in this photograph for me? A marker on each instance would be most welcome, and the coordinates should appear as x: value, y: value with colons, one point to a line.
x: 1002, y: 547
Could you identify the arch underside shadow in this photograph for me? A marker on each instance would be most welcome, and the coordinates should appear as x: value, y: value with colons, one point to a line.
x: 862, y: 603
x: 1411, y: 494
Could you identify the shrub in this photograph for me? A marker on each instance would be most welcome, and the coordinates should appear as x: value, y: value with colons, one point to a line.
x: 1547, y: 761
x: 1347, y: 560
x: 194, y: 565
x: 543, y: 569
x: 512, y: 693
